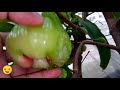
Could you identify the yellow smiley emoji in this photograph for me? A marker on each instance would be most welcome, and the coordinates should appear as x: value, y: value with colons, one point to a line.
x: 7, y: 69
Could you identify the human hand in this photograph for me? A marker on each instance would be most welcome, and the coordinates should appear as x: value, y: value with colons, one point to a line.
x: 23, y: 18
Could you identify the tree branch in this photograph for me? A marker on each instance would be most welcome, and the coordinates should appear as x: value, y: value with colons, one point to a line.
x: 101, y: 44
x: 77, y: 69
x: 75, y: 27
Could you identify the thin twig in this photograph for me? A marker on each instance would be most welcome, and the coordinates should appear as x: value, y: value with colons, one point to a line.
x: 101, y: 44
x: 85, y: 56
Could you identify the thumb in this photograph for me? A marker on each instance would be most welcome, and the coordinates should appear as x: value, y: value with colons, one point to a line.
x: 26, y: 18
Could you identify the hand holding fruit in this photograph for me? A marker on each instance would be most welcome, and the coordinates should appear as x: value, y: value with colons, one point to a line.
x: 43, y: 46
x: 27, y: 19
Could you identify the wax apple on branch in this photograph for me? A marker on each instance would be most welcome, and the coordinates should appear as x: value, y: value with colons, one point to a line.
x: 43, y: 46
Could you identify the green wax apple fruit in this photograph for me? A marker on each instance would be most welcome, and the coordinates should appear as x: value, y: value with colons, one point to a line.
x: 43, y: 46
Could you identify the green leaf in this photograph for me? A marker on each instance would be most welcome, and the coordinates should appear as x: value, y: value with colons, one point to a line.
x: 69, y: 15
x: 66, y: 14
x: 68, y: 71
x: 63, y: 73
x: 6, y: 26
x: 76, y: 34
x: 14, y: 63
x: 95, y: 34
x: 73, y: 14
x: 116, y: 14
x: 84, y: 29
x: 84, y: 48
x: 76, y: 19
x: 103, y: 52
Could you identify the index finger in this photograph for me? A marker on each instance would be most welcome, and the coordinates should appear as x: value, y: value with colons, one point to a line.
x: 26, y: 18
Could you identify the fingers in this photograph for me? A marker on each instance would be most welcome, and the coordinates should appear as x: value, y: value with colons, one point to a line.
x: 19, y: 72
x: 53, y: 73
x: 26, y: 18
x: 3, y: 15
x: 23, y: 61
x: 23, y: 18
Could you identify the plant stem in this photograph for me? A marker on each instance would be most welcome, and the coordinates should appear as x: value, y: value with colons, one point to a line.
x: 77, y: 70
x: 101, y: 44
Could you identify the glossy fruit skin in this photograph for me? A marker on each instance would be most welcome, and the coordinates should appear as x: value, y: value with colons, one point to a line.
x: 48, y: 45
